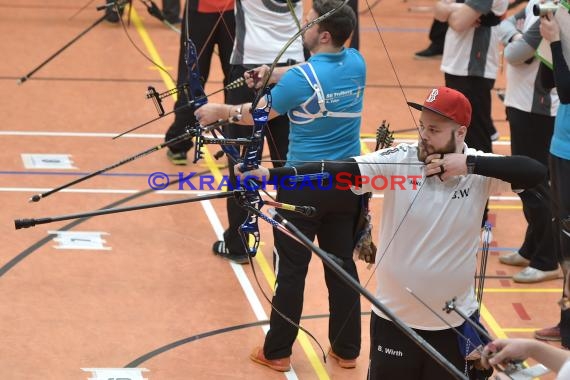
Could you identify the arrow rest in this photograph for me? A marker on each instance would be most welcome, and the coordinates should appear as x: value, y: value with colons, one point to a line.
x: 384, y: 136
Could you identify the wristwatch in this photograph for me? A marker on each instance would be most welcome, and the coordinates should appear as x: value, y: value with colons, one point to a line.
x: 471, y: 161
x: 237, y: 116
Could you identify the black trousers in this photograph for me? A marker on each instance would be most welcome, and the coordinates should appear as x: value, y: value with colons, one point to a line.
x: 171, y: 9
x: 560, y: 185
x: 437, y: 34
x: 333, y: 225
x: 222, y: 29
x: 277, y: 137
x: 395, y: 356
x: 478, y: 91
x: 530, y: 136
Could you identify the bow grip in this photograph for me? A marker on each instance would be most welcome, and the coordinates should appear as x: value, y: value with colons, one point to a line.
x: 260, y: 117
x: 198, y: 94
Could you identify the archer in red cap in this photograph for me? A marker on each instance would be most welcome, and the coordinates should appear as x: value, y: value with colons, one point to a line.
x: 439, y: 208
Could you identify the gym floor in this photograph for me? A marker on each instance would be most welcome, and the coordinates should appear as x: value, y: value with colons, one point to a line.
x: 141, y: 292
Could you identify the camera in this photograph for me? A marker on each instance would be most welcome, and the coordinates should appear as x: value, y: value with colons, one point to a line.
x: 544, y: 8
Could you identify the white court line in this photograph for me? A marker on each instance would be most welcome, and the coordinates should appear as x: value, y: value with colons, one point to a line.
x: 80, y: 134
x: 242, y: 277
x: 37, y: 190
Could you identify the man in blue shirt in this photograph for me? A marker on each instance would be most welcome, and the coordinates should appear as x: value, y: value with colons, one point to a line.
x: 323, y: 100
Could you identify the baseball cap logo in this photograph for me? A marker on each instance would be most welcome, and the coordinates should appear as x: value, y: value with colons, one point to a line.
x: 432, y: 96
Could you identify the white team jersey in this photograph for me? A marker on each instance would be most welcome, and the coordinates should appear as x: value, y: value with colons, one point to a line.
x: 474, y: 52
x: 262, y: 29
x: 429, y: 236
x: 522, y: 80
x: 564, y: 373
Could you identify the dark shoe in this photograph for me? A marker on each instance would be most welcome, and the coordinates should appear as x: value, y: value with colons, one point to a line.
x: 281, y: 365
x: 221, y: 250
x: 429, y: 53
x: 112, y: 17
x: 549, y: 333
x: 177, y: 158
x: 343, y: 363
x: 111, y: 14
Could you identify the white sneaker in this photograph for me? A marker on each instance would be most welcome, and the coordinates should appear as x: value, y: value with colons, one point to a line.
x: 531, y: 275
x: 514, y: 258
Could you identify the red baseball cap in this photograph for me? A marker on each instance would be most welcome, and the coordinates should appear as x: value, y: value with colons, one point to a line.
x: 447, y: 102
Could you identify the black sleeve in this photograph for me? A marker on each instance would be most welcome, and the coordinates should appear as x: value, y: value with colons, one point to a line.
x: 546, y: 76
x: 561, y: 72
x: 490, y: 19
x: 521, y: 172
x: 333, y: 167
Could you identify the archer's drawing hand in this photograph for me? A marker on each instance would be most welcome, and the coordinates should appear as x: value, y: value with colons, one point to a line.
x: 259, y: 173
x: 446, y: 166
x: 503, y: 351
x: 254, y: 78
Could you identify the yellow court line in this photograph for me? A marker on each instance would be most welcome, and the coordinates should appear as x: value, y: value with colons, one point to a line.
x: 364, y: 147
x: 137, y: 22
x: 505, y: 207
x: 520, y: 329
x: 492, y: 322
x: 522, y: 290
x: 303, y: 339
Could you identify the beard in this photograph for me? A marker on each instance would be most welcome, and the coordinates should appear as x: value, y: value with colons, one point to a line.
x: 425, y: 150
x: 308, y: 45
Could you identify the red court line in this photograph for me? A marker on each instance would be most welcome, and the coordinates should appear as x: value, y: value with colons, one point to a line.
x: 521, y: 311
